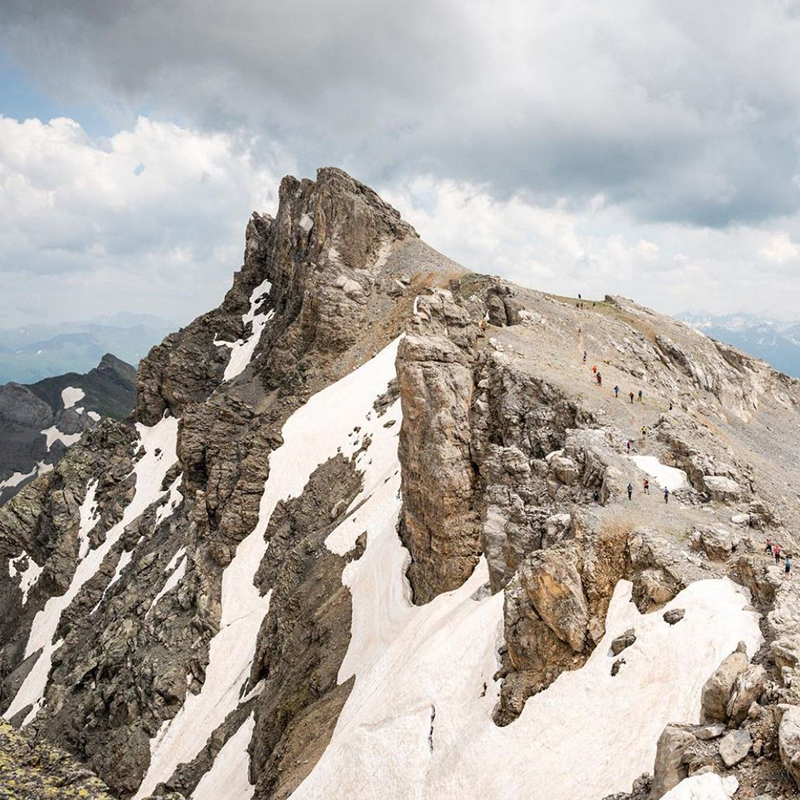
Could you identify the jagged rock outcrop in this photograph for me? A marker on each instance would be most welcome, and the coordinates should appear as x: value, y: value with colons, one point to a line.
x: 440, y: 523
x: 156, y: 591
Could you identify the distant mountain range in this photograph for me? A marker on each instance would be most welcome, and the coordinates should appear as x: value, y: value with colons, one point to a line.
x: 778, y: 343
x: 33, y: 352
x: 39, y: 421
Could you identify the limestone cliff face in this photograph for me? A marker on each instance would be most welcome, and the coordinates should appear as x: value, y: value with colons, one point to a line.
x: 435, y: 366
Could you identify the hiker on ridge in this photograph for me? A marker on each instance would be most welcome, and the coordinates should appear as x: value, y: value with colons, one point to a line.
x: 666, y: 494
x: 616, y: 391
x: 630, y: 490
x: 631, y: 397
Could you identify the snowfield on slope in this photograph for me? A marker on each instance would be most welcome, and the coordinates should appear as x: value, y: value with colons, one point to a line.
x: 159, y: 444
x: 418, y: 721
x: 315, y: 433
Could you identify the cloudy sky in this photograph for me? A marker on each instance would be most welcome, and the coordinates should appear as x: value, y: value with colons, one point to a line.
x: 644, y: 148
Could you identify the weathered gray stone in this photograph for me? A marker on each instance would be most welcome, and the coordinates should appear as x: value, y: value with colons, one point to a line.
x: 734, y: 747
x: 747, y: 688
x: 622, y: 641
x: 670, y: 766
x: 717, y: 689
x: 789, y: 742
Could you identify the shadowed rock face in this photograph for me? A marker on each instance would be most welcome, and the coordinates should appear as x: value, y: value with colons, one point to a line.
x: 509, y: 452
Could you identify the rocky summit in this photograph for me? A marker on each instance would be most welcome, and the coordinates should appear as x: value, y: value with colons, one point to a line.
x: 383, y: 527
x: 39, y: 421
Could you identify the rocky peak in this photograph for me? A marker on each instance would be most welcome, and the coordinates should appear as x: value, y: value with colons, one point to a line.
x: 317, y: 266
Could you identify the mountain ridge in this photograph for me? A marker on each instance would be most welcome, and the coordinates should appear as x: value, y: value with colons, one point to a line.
x: 369, y: 533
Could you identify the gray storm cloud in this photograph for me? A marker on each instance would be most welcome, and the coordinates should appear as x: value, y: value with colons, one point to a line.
x: 678, y: 111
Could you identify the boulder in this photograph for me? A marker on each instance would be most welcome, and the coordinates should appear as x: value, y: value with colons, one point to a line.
x: 747, y: 688
x: 734, y: 747
x: 706, y: 732
x: 674, y: 616
x: 670, y: 767
x: 716, y: 541
x: 556, y: 529
x: 721, y: 488
x: 622, y: 641
x: 553, y: 585
x: 789, y: 742
x: 718, y: 688
x: 565, y: 470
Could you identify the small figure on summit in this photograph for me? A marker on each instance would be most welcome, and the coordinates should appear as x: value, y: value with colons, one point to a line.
x: 631, y: 397
x: 666, y: 494
x: 599, y: 379
x: 630, y: 490
x: 640, y: 395
x: 594, y: 368
x: 616, y: 391
x: 646, y: 485
x: 787, y: 567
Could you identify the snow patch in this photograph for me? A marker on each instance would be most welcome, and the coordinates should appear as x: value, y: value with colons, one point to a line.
x: 228, y: 776
x: 149, y: 471
x: 54, y: 435
x: 175, y: 577
x: 172, y: 502
x: 666, y: 477
x: 93, y: 415
x: 71, y: 395
x: 16, y: 479
x: 306, y: 223
x: 28, y: 575
x: 242, y: 349
x: 315, y: 433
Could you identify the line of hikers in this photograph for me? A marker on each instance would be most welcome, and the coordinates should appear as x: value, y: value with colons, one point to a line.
x: 776, y: 551
x: 646, y: 489
x: 599, y: 378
